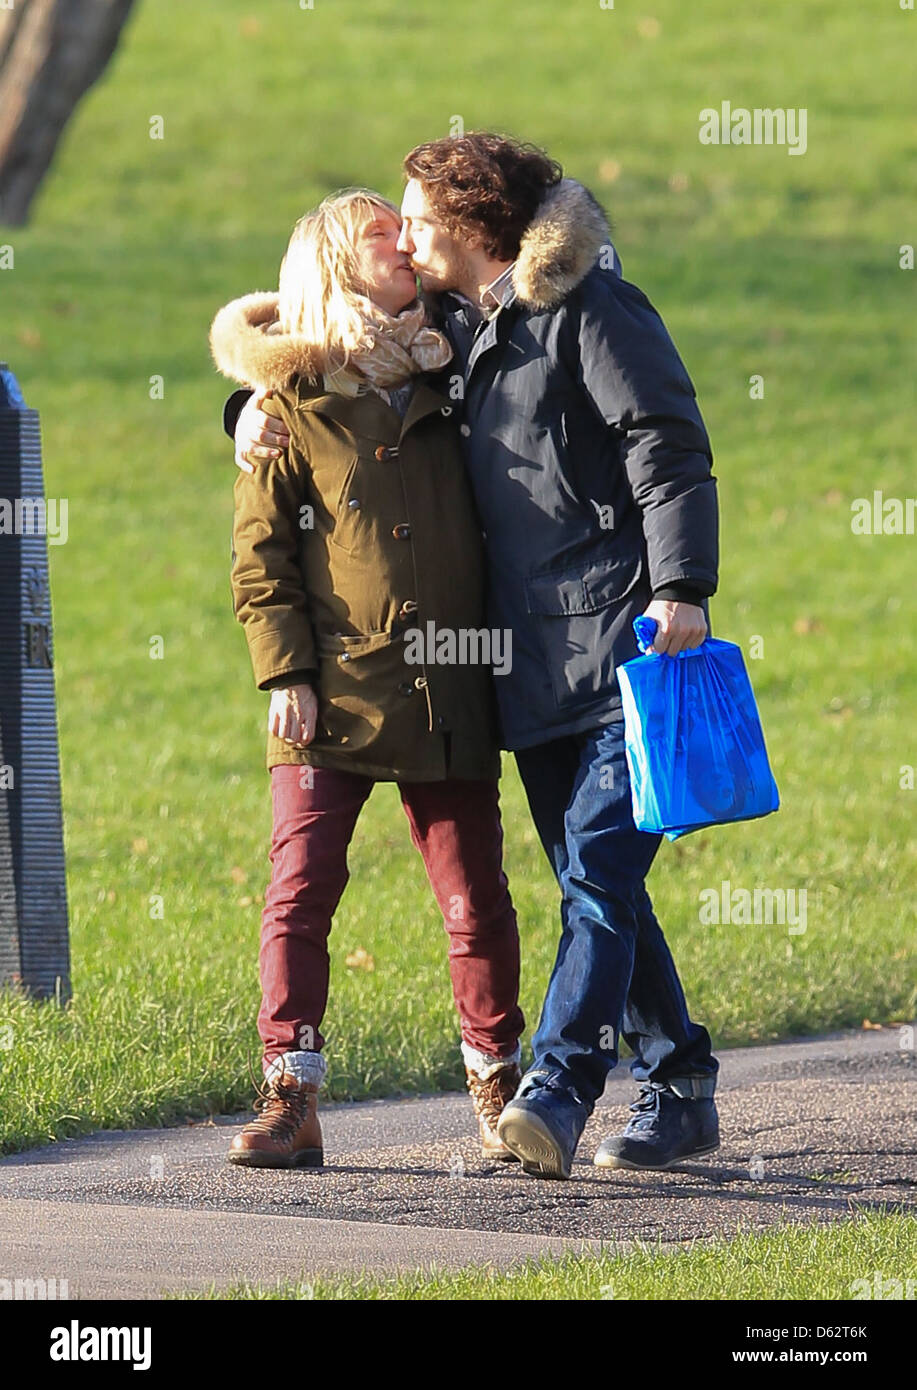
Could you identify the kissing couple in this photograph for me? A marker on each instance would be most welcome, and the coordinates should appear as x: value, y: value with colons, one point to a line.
x: 513, y: 447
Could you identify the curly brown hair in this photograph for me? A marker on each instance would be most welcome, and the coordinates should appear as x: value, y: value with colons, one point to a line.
x: 484, y: 187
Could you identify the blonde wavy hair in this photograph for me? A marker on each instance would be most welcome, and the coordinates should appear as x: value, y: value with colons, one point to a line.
x: 319, y: 277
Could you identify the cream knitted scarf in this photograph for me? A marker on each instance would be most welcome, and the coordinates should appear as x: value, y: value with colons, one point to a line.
x: 397, y: 347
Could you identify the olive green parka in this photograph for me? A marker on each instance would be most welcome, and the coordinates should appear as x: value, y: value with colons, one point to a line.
x: 362, y: 532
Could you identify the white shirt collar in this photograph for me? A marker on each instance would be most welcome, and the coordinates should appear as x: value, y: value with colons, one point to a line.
x: 493, y: 297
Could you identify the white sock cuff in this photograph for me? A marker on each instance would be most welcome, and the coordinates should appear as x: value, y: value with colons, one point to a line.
x: 309, y: 1068
x: 483, y: 1064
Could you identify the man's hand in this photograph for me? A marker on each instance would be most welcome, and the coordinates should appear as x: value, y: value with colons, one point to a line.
x: 293, y: 714
x: 681, y: 625
x: 259, y: 435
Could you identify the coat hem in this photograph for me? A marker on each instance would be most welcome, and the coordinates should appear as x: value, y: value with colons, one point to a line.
x: 610, y: 712
x: 343, y: 763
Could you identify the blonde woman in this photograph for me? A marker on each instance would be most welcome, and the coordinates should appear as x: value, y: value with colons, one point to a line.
x: 364, y: 529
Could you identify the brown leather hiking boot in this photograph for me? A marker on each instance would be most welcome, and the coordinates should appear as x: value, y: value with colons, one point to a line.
x: 488, y: 1098
x: 286, y: 1133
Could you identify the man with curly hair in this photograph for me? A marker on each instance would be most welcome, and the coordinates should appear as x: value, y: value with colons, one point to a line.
x: 591, y: 470
x: 592, y: 473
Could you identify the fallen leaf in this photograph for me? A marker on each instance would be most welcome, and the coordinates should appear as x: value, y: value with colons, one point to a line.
x: 237, y: 874
x: 360, y: 960
x: 872, y: 1027
x: 140, y: 845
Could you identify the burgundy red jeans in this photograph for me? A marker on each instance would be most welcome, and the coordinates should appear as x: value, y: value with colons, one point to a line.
x: 455, y: 824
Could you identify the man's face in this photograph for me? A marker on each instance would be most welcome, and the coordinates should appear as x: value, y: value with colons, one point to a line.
x: 439, y: 259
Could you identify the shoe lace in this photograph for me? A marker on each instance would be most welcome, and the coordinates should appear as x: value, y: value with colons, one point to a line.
x: 645, y: 1108
x: 486, y: 1091
x: 280, y: 1109
x: 487, y: 1095
x: 281, y: 1112
x: 552, y: 1082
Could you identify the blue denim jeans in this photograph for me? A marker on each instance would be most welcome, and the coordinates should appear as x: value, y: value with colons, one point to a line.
x: 614, y: 974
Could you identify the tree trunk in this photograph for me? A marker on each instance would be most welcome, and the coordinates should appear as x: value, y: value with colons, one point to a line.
x: 51, y: 51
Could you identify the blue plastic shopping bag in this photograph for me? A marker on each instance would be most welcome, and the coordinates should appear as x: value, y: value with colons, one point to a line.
x: 693, y: 738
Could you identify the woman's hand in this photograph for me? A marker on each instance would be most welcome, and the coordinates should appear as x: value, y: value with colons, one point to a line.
x: 259, y: 434
x: 293, y: 714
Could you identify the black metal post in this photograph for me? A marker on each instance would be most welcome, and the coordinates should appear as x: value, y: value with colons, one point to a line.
x: 34, y: 941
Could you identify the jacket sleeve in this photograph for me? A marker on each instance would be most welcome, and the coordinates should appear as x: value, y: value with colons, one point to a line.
x: 632, y: 374
x: 269, y: 596
x: 232, y: 409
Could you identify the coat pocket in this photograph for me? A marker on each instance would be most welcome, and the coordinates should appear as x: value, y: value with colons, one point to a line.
x: 580, y: 615
x: 368, y: 701
x: 348, y: 532
x: 344, y: 645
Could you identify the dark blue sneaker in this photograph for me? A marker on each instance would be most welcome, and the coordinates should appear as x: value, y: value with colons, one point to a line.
x: 542, y: 1125
x: 665, y: 1129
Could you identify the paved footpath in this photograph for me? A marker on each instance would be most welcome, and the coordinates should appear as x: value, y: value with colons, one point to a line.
x: 811, y: 1131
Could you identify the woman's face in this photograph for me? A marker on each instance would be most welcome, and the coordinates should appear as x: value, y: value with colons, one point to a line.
x: 385, y: 271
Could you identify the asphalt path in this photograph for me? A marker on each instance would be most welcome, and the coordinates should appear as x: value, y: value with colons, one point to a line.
x: 811, y: 1131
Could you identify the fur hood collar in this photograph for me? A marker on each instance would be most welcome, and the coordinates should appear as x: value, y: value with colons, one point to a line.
x: 560, y: 246
x: 248, y: 347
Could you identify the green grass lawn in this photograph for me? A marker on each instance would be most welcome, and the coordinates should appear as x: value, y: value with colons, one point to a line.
x: 788, y: 1262
x: 761, y: 264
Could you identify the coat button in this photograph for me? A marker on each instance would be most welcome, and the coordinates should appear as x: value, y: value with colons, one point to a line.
x: 407, y: 608
x: 420, y: 683
x: 402, y: 532
x: 405, y: 688
x: 345, y: 656
x: 465, y: 430
x: 354, y: 504
x: 384, y: 453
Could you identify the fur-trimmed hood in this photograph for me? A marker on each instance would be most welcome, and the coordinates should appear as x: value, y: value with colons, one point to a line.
x: 248, y: 346
x: 560, y: 246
